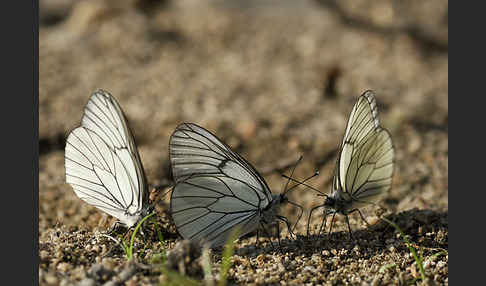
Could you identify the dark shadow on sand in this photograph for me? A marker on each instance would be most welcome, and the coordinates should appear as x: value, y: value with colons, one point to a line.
x: 424, y: 228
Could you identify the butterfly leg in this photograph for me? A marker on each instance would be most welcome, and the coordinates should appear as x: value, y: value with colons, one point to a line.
x: 332, y: 223
x: 278, y: 231
x: 289, y: 228
x: 300, y: 215
x: 363, y: 218
x: 118, y: 242
x: 266, y: 233
x: 323, y: 223
x: 309, y: 219
x: 349, y: 227
x: 111, y: 231
x: 115, y: 227
x: 112, y: 247
x: 361, y: 215
x: 127, y: 230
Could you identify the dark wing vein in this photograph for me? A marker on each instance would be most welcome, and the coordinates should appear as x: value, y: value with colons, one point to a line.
x: 104, y: 133
x: 363, y: 145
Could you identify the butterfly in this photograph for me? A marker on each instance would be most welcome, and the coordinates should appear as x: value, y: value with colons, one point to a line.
x: 102, y: 162
x: 216, y: 190
x: 364, y: 167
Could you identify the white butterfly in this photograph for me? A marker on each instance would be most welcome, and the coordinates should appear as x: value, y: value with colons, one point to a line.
x: 216, y: 190
x: 102, y: 162
x: 364, y: 167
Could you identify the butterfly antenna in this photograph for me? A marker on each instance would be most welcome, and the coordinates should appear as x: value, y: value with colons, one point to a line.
x: 285, y: 190
x: 310, y: 216
x: 303, y: 183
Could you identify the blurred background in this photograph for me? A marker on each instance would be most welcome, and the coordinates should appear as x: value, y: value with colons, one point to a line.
x: 273, y: 79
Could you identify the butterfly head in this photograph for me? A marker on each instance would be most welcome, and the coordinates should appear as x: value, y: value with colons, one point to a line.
x: 329, y: 202
x: 337, y: 201
x: 277, y: 201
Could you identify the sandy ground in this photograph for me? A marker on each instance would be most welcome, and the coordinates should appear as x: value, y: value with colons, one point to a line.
x: 274, y: 80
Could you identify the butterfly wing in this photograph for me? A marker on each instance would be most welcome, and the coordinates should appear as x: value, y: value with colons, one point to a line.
x: 216, y: 189
x: 207, y: 207
x: 102, y: 162
x: 365, y: 165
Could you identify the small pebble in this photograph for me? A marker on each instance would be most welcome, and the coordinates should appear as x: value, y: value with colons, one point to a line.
x: 64, y: 267
x: 51, y: 279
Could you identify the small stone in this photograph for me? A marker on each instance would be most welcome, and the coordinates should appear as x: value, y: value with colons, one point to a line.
x: 376, y: 281
x: 260, y: 259
x: 51, y: 279
x: 413, y: 271
x: 44, y: 254
x: 64, y: 267
x: 441, y: 264
x: 310, y: 269
x: 109, y: 263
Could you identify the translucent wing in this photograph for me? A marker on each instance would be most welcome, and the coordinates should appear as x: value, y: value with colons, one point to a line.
x: 208, y: 207
x: 196, y: 151
x: 365, y: 165
x: 216, y: 189
x: 102, y: 163
x: 104, y: 116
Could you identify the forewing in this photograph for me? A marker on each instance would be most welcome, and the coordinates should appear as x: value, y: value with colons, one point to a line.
x: 104, y: 116
x: 194, y: 151
x: 365, y: 164
x: 207, y: 208
x: 363, y: 118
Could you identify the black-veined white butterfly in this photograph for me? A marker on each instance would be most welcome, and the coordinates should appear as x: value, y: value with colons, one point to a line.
x: 102, y: 162
x: 364, y: 167
x: 216, y: 190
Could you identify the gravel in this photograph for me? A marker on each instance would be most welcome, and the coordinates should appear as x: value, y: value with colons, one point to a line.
x: 274, y: 82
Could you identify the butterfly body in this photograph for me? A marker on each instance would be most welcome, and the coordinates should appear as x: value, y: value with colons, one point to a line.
x: 269, y: 214
x: 216, y: 190
x: 364, y: 167
x: 338, y: 202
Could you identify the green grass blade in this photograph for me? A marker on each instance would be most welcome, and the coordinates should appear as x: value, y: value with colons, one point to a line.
x: 442, y: 252
x: 226, y: 258
x: 159, y: 233
x: 132, y: 239
x: 125, y: 248
x: 410, y: 247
